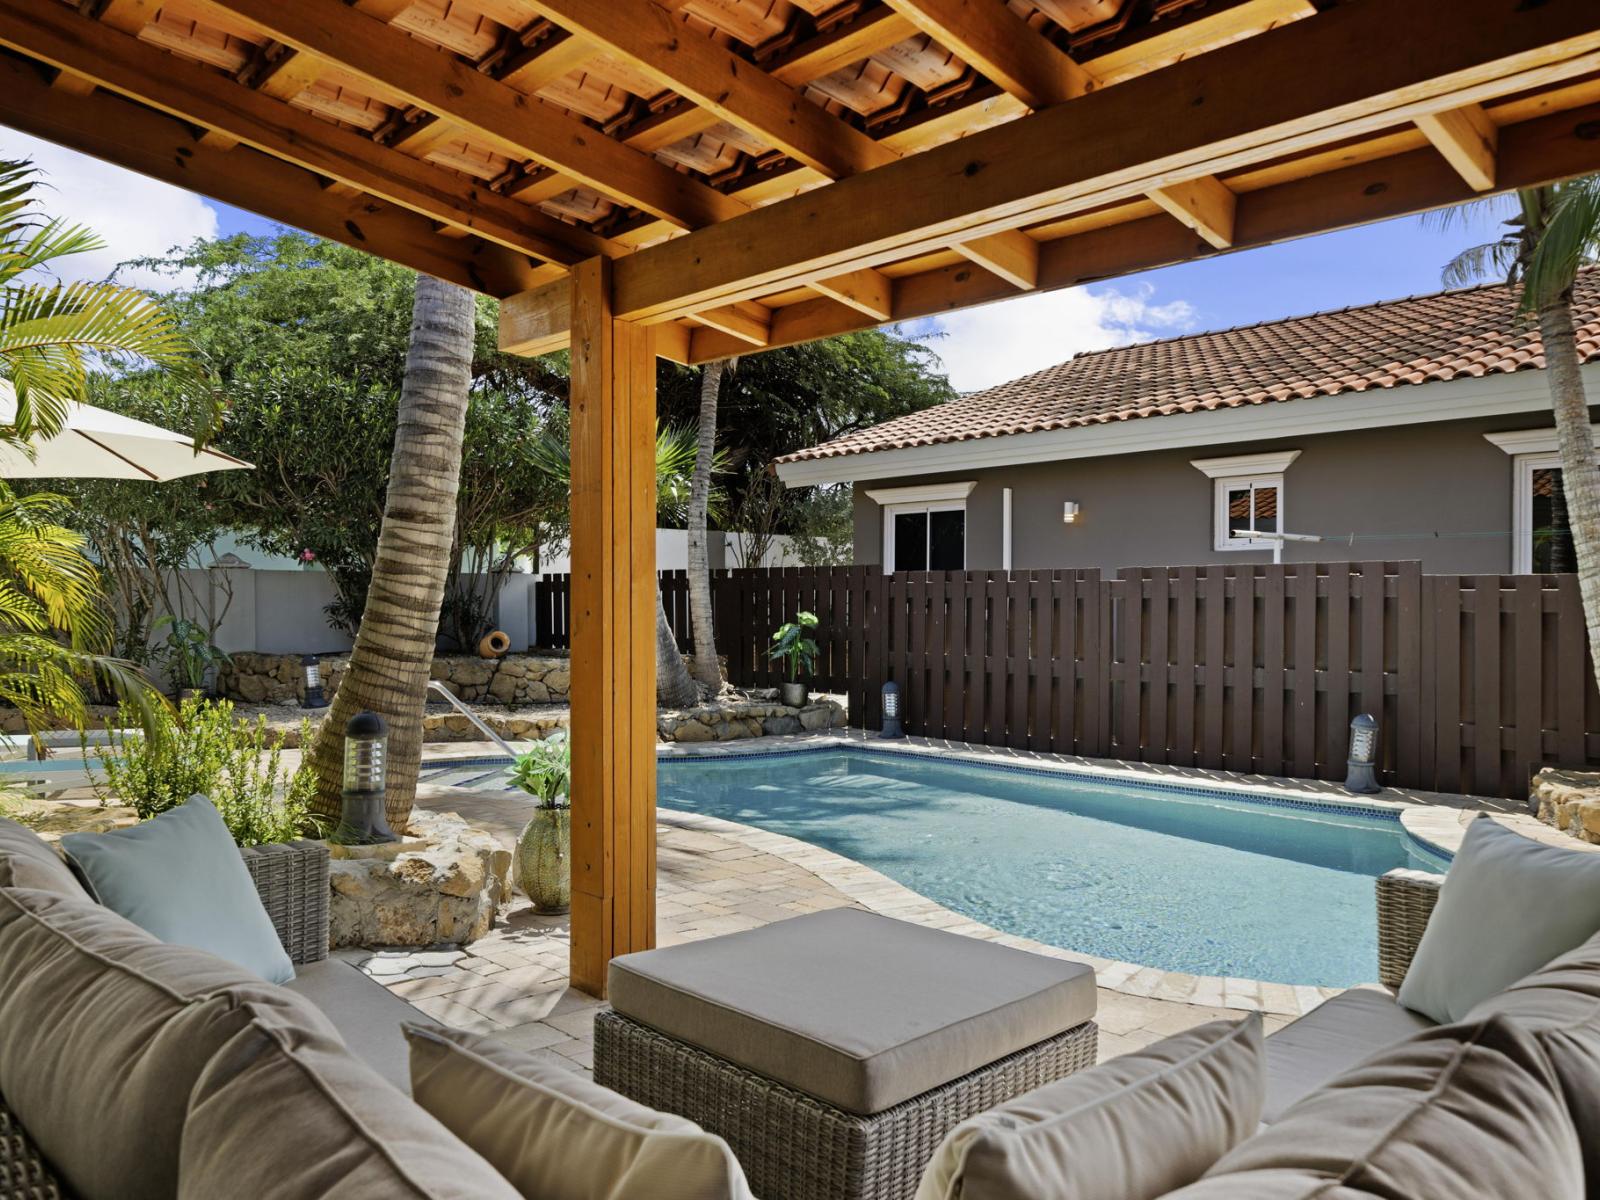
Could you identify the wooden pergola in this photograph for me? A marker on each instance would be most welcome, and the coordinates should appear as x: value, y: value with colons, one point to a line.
x: 693, y: 179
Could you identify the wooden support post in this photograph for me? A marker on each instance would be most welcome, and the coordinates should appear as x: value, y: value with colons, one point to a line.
x: 613, y: 631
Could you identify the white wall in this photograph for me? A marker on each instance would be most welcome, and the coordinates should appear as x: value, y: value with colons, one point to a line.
x: 672, y: 553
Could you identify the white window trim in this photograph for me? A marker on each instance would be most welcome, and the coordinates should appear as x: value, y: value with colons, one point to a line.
x: 1532, y: 441
x: 1248, y: 465
x: 1235, y: 471
x: 1523, y: 467
x: 928, y: 493
x: 928, y: 498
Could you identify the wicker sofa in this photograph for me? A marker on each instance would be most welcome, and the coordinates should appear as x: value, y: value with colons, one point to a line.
x: 292, y: 880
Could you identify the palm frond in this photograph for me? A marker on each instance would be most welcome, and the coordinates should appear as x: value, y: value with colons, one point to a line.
x: 1570, y: 238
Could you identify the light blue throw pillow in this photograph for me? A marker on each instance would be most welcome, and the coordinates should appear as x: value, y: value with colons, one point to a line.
x: 1509, y: 906
x: 179, y: 876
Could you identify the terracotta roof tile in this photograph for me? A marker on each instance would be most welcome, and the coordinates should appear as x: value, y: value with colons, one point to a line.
x: 1459, y: 334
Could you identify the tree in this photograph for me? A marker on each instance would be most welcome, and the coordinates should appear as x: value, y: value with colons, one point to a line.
x: 706, y: 668
x: 675, y: 455
x: 54, y: 635
x: 389, y: 667
x: 309, y: 341
x: 1554, y: 232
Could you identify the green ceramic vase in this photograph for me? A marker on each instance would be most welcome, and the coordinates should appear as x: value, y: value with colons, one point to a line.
x: 544, y: 854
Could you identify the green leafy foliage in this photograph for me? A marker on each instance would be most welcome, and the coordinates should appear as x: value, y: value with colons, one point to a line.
x: 792, y: 644
x: 308, y: 339
x: 237, y: 765
x: 544, y: 770
x: 188, y: 652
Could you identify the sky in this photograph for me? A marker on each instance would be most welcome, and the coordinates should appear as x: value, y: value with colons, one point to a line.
x: 979, y: 347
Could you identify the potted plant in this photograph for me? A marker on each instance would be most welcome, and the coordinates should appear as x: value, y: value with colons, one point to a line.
x: 544, y: 848
x: 793, y: 644
x: 189, y: 655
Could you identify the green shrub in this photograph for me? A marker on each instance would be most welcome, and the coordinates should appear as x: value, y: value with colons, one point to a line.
x: 237, y: 765
x: 544, y: 770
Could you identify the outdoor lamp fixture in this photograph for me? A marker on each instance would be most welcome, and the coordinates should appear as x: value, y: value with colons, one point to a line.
x: 362, y: 821
x: 1363, y: 757
x: 1069, y: 513
x: 891, y: 711
x: 313, y: 669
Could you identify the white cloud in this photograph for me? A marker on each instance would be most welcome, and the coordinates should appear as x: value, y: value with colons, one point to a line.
x: 984, y: 346
x: 135, y: 216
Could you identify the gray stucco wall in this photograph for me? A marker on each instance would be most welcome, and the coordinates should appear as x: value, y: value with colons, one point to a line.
x: 1438, y: 492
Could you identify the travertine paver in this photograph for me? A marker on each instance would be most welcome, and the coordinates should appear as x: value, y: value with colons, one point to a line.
x: 512, y: 984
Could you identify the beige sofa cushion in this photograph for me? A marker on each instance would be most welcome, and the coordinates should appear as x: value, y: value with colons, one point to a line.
x: 1461, y: 1112
x: 1479, y: 939
x: 106, y: 1030
x: 28, y: 861
x: 367, y: 1015
x: 1132, y: 1128
x: 925, y: 1006
x: 1330, y: 1039
x: 285, y: 1112
x: 1560, y: 1006
x: 558, y: 1136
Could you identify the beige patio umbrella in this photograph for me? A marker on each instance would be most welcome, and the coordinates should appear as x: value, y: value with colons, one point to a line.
x: 96, y: 444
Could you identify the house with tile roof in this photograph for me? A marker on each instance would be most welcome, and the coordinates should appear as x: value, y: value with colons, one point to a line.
x: 1410, y: 429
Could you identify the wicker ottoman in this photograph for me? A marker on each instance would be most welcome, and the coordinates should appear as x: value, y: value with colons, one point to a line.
x: 834, y: 1052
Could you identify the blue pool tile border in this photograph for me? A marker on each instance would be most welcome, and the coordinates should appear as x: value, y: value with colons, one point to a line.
x: 1385, y: 813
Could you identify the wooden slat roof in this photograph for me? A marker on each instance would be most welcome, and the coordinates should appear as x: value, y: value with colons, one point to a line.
x: 499, y: 142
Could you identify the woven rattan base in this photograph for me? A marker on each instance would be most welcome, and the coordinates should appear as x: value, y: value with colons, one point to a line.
x: 23, y: 1174
x: 795, y: 1147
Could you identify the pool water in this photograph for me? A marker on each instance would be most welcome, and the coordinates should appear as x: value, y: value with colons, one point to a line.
x: 1184, y: 881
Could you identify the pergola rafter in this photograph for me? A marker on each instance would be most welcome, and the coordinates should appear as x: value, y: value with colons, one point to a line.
x: 693, y: 179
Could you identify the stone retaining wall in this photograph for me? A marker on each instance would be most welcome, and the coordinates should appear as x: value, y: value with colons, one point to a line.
x: 516, y: 679
x: 1569, y: 800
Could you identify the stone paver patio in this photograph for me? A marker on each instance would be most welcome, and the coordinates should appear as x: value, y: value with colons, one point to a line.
x: 512, y: 985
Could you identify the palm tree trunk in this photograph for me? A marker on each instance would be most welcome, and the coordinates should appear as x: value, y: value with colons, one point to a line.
x: 1580, y: 473
x: 706, y: 669
x: 389, y: 667
x: 674, y: 688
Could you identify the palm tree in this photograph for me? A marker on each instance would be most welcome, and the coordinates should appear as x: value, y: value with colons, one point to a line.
x: 54, y: 631
x: 675, y: 459
x: 1555, y: 231
x: 390, y: 664
x: 706, y: 669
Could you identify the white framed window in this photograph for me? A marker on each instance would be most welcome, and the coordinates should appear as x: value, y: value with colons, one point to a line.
x: 1248, y: 498
x: 1541, y: 529
x: 924, y: 528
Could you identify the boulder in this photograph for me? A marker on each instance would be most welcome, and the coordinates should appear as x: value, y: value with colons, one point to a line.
x: 1569, y: 800
x: 444, y: 883
x: 52, y: 820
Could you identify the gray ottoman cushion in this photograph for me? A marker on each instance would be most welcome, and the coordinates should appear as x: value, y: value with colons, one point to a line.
x: 858, y: 1010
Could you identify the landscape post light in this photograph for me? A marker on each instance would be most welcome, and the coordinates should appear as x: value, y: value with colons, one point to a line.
x: 1363, y: 757
x: 313, y: 670
x: 362, y: 821
x: 891, y: 711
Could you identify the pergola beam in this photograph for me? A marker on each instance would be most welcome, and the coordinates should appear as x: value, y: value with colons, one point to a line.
x: 1205, y: 205
x: 121, y: 62
x: 441, y: 83
x: 1002, y: 46
x: 1532, y: 153
x: 867, y: 291
x: 121, y: 131
x: 1467, y: 138
x: 1239, y: 105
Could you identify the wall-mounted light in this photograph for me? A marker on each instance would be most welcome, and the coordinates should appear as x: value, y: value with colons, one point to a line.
x: 891, y: 711
x: 1069, y: 513
x: 1360, y: 766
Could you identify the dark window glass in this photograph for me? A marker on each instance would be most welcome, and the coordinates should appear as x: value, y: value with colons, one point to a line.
x: 947, y: 540
x: 1552, y: 529
x: 911, y: 541
x: 1238, y: 512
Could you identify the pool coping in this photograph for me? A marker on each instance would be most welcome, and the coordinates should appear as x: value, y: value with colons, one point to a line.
x: 1435, y: 827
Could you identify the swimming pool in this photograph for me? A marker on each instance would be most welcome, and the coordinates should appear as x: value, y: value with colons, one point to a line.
x: 1176, y: 878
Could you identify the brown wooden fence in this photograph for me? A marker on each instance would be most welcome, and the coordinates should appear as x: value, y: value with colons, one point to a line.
x: 1477, y: 680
